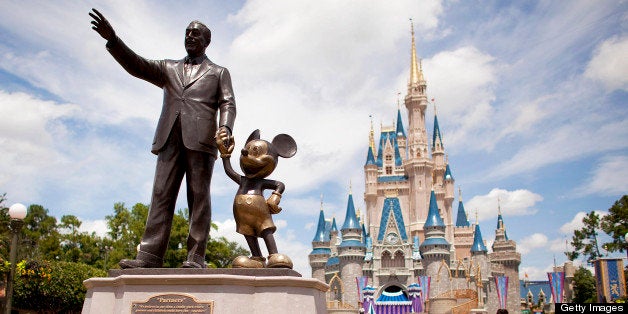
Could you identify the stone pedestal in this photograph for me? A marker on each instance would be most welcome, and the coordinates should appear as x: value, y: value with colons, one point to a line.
x: 204, y: 291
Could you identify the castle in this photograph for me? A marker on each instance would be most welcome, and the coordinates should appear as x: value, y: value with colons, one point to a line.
x: 407, y: 237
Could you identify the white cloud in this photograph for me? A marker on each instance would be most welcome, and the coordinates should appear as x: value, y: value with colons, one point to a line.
x: 513, y: 203
x: 463, y: 97
x: 98, y: 226
x: 609, y: 64
x: 531, y: 242
x: 565, y: 143
x: 608, y: 177
x: 535, y: 273
x: 576, y: 223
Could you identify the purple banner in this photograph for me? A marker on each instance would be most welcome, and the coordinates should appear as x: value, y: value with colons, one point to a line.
x: 557, y: 282
x: 501, y: 285
x: 424, y: 281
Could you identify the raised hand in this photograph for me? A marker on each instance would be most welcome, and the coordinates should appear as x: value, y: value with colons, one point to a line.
x: 102, y: 26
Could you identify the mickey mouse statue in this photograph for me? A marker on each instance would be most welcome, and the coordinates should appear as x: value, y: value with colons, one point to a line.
x: 251, y: 210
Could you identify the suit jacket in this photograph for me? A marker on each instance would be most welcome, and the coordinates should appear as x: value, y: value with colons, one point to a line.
x: 195, y: 101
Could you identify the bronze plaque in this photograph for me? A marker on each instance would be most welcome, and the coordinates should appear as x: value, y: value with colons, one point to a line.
x: 173, y: 303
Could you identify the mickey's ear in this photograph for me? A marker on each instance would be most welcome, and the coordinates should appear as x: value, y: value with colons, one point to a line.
x: 254, y: 136
x: 284, y: 145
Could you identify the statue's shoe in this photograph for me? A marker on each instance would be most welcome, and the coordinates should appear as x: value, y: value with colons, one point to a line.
x: 137, y: 263
x: 279, y: 260
x: 248, y: 262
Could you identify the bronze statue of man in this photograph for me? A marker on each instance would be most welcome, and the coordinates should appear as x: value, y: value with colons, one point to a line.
x: 195, y: 89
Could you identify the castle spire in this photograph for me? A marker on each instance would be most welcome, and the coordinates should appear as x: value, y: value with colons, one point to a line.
x: 478, y: 243
x: 400, y: 131
x: 500, y: 220
x: 319, y: 236
x: 372, y: 135
x: 415, y: 73
x: 437, y: 139
x: 351, y: 220
x: 462, y: 220
x: 433, y: 215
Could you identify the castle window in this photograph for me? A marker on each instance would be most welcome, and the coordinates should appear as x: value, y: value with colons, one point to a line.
x: 389, y: 170
x: 388, y: 158
x: 399, y: 260
x: 386, y: 259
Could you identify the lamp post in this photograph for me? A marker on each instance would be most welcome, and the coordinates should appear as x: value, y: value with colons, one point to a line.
x: 17, y: 212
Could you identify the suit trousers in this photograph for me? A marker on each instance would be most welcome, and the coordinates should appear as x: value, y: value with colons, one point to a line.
x: 174, y: 161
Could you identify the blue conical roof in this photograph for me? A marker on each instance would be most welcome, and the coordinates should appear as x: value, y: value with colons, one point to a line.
x: 400, y: 130
x: 370, y: 158
x: 448, y: 175
x: 333, y: 224
x: 500, y: 222
x: 478, y: 242
x: 351, y: 219
x: 436, y: 134
x: 364, y: 234
x: 462, y: 220
x: 319, y: 236
x: 433, y: 216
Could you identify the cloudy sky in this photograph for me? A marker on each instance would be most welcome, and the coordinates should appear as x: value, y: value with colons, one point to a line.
x: 531, y: 98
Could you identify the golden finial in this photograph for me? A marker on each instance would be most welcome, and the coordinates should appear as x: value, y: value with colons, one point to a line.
x: 372, y: 137
x: 350, y: 187
x: 476, y: 216
x: 398, y: 103
x: 499, y: 207
x: 414, y: 67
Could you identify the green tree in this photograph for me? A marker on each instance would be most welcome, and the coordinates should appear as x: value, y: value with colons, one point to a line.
x: 49, y: 286
x: 584, y: 286
x: 615, y: 224
x: 40, y: 237
x: 5, y: 241
x: 125, y: 230
x: 584, y: 241
x: 220, y: 252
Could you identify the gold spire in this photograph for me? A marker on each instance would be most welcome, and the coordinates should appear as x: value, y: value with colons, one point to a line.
x: 499, y: 207
x: 372, y: 137
x: 416, y: 75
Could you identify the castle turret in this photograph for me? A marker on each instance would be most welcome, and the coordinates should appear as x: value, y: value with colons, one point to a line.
x: 463, y: 231
x: 435, y: 248
x: 351, y: 253
x: 401, y: 133
x: 418, y: 165
x: 320, y: 249
x: 505, y: 253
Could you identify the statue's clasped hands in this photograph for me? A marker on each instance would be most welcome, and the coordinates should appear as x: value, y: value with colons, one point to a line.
x: 225, y: 143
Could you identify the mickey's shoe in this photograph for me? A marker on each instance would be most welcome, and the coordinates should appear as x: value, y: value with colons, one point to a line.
x: 248, y: 262
x: 279, y: 260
